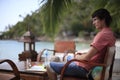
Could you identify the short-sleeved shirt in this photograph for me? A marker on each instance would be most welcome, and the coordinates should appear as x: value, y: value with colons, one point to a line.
x: 105, y: 38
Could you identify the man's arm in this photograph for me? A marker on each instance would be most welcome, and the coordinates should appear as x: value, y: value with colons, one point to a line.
x: 87, y: 55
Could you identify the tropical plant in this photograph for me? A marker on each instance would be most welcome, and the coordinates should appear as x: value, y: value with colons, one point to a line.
x: 51, y: 13
x: 58, y: 16
x: 52, y: 9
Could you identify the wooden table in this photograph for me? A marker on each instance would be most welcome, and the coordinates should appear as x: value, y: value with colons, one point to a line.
x: 25, y: 75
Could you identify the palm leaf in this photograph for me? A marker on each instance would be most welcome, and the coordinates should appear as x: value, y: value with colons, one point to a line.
x: 51, y: 12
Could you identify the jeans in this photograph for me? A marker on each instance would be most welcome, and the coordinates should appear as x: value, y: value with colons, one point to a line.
x: 72, y: 69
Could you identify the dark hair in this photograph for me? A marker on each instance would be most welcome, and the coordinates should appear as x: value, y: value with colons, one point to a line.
x: 103, y: 14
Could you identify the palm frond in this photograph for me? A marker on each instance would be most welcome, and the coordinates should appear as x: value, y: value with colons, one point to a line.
x: 51, y: 12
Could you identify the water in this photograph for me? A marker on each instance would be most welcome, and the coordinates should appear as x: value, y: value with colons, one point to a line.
x: 9, y: 49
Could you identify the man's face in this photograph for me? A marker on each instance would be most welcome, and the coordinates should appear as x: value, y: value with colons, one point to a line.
x: 99, y: 24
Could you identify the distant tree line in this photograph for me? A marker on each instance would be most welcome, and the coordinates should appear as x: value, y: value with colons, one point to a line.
x: 65, y: 18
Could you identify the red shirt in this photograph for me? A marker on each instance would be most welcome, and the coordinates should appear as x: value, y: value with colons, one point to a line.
x: 105, y: 38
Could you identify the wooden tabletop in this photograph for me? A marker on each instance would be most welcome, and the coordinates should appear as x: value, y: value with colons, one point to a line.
x: 21, y: 65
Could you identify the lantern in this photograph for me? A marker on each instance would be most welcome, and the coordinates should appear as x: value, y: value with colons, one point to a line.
x: 29, y: 47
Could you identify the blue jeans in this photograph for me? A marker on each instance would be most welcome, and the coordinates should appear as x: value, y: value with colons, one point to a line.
x: 72, y: 69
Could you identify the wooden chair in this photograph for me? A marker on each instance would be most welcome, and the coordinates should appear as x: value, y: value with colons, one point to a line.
x: 15, y: 71
x: 106, y: 71
x: 60, y: 47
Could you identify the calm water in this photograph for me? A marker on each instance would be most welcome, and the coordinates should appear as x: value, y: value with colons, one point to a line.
x: 10, y: 48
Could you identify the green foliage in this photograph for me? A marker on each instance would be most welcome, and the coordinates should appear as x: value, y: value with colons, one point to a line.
x: 51, y: 13
x: 56, y: 16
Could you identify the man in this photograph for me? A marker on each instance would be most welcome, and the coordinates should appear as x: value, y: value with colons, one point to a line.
x: 104, y: 38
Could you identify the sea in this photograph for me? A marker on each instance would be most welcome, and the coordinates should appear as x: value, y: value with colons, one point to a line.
x: 9, y: 49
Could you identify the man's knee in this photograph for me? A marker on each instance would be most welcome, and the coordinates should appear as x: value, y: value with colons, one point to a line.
x: 52, y: 75
x: 55, y: 59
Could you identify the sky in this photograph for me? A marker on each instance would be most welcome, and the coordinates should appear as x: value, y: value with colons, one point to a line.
x: 11, y: 9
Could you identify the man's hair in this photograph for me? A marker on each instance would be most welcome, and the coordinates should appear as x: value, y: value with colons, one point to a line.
x: 103, y: 14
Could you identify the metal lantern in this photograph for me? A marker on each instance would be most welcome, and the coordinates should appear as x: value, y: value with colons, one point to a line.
x: 29, y: 47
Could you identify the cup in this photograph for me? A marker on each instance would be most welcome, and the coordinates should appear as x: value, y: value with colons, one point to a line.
x: 28, y: 63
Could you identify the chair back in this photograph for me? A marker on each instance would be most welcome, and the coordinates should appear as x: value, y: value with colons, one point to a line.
x: 109, y: 61
x: 62, y: 46
x: 61, y: 49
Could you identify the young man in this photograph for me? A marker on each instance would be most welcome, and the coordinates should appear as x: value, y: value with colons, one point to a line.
x: 104, y: 38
